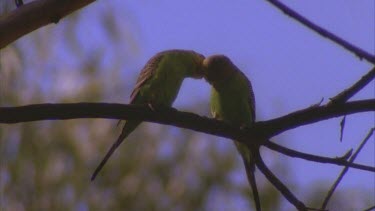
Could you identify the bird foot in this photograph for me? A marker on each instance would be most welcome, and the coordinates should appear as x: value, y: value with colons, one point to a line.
x: 158, y: 107
x: 151, y: 106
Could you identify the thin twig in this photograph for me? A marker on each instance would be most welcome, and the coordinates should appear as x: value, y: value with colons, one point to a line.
x: 346, y: 168
x: 370, y: 208
x: 342, y: 126
x: 19, y: 3
x: 362, y: 54
x: 315, y: 158
x: 356, y: 87
x: 277, y: 183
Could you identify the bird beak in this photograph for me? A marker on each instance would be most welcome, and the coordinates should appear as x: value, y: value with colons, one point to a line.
x: 199, y: 72
x: 205, y: 69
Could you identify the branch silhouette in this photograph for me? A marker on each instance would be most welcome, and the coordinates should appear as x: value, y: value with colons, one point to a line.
x: 362, y: 54
x: 345, y: 95
x: 313, y: 114
x: 262, y: 130
x: 346, y: 168
x: 370, y: 208
x: 34, y: 15
x: 259, y: 131
x: 341, y: 161
x: 277, y: 183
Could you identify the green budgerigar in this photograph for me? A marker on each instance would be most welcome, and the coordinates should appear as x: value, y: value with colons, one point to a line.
x: 232, y: 100
x: 158, y: 85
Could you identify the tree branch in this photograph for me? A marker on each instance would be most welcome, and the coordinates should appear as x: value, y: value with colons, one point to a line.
x: 346, y: 168
x: 345, y: 95
x: 329, y: 35
x: 169, y: 116
x: 311, y: 115
x: 19, y: 3
x: 315, y: 158
x: 34, y: 15
x: 370, y: 208
x: 276, y: 182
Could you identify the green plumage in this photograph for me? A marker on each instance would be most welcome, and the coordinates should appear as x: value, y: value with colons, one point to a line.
x: 158, y: 85
x: 232, y: 100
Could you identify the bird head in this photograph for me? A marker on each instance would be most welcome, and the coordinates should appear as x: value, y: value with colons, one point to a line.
x: 218, y: 68
x: 198, y: 60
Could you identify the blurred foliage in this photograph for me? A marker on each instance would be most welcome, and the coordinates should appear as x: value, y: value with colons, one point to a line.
x: 47, y: 165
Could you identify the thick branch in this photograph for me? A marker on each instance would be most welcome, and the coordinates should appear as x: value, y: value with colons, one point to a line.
x: 356, y: 87
x: 170, y: 116
x: 313, y: 114
x: 34, y: 15
x: 167, y: 116
x: 315, y: 158
x: 329, y: 35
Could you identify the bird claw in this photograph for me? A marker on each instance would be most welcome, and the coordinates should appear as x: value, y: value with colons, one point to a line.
x: 243, y: 126
x: 157, y: 107
x: 152, y: 108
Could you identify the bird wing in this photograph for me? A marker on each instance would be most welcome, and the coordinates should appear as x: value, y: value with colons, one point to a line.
x: 251, y: 97
x: 146, y: 73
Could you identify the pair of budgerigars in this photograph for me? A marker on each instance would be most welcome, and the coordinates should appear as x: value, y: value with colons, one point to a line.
x: 232, y: 97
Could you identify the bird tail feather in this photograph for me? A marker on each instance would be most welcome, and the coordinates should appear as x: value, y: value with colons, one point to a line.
x: 250, y: 170
x: 126, y: 130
